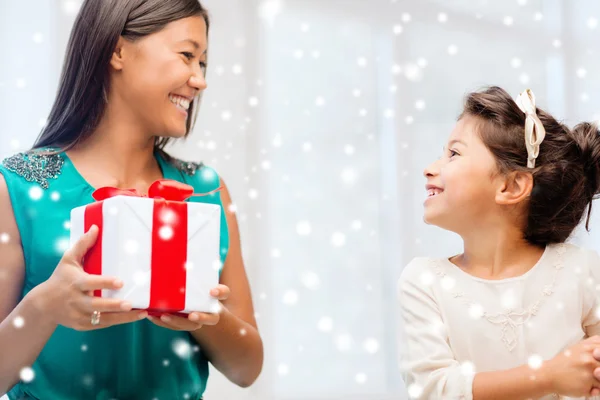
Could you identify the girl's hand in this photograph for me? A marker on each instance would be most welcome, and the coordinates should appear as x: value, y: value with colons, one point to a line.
x: 571, y: 373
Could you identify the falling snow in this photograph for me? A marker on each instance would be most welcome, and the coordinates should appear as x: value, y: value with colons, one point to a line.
x: 27, y: 375
x: 18, y: 322
x: 4, y: 238
x: 314, y: 177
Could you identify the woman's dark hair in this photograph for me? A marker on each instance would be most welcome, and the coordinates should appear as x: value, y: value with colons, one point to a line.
x: 81, y: 98
x: 566, y: 177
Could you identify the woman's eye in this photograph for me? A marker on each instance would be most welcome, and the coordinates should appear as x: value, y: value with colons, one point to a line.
x: 188, y: 55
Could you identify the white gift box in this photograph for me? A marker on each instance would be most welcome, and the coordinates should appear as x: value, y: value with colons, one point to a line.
x: 167, y: 253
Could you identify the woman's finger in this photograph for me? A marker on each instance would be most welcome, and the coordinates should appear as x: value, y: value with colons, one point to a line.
x: 221, y: 292
x: 89, y: 282
x: 91, y: 304
x: 118, y: 318
x: 204, y: 318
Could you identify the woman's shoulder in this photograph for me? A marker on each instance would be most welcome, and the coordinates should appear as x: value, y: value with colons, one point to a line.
x: 192, y: 172
x: 36, y: 166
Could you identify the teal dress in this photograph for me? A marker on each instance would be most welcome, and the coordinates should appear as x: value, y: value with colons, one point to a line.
x: 134, y: 361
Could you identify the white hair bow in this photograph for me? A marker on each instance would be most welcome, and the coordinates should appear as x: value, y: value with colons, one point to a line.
x: 534, y: 129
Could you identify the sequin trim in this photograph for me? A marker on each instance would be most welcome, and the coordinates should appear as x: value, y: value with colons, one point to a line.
x: 34, y: 166
x: 187, y: 167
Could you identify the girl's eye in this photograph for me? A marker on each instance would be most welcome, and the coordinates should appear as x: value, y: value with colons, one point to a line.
x: 453, y: 153
x: 188, y: 55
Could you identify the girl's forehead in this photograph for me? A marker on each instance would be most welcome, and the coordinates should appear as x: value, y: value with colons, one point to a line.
x: 464, y: 130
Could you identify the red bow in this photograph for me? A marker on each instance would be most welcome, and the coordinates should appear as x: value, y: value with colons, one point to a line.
x: 161, y: 189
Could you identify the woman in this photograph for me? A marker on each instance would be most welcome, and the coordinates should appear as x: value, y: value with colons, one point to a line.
x: 133, y: 73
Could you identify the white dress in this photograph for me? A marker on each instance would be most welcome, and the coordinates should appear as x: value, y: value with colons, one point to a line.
x: 455, y: 325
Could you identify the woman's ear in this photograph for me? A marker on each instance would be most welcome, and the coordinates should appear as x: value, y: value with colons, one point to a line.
x: 117, y: 60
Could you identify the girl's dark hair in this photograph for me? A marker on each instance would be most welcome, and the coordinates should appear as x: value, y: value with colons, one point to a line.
x: 566, y: 177
x: 81, y: 98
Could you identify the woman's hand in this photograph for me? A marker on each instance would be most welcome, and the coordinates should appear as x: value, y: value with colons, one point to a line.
x: 194, y: 320
x: 67, y: 296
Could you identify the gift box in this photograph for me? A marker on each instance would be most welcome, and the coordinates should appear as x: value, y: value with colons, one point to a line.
x: 164, y: 249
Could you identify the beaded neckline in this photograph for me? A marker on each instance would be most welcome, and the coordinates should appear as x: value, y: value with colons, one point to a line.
x: 511, y: 319
x: 43, y: 165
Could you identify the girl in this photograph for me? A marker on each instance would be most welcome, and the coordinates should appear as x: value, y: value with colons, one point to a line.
x: 515, y: 315
x: 133, y: 74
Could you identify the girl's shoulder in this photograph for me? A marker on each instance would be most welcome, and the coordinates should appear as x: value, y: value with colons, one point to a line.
x: 421, y: 271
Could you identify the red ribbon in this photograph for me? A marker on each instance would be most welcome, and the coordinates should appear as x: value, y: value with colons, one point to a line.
x: 169, y: 240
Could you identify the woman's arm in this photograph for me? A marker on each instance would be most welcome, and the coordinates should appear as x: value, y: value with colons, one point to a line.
x: 24, y: 327
x: 234, y: 345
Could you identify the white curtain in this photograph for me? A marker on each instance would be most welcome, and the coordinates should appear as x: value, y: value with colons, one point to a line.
x: 320, y: 116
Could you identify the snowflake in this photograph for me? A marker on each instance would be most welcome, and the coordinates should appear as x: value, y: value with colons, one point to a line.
x: 36, y: 193
x: 476, y: 311
x: 325, y: 324
x: 338, y: 239
x: 62, y: 245
x: 283, y: 369
x: 371, y: 345
x: 131, y: 247
x: 27, y: 375
x: 290, y: 298
x: 18, y: 322
x: 343, y: 342
x: 303, y: 228
x: 467, y: 368
x: 361, y: 378
x: 226, y: 115
x: 535, y: 361
x: 165, y: 233
x: 311, y: 280
x: 71, y: 7
x: 4, y: 238
x: 38, y: 37
x: 237, y: 69
x: 415, y: 391
x: 182, y: 348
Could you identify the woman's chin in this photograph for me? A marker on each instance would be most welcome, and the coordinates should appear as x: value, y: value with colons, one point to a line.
x: 175, y: 133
